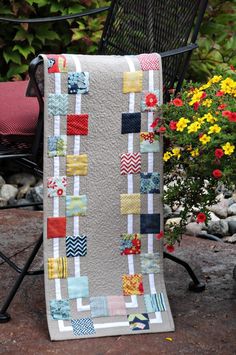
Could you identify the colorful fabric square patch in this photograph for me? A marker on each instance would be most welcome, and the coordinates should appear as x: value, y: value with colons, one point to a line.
x: 57, y: 63
x: 130, y: 244
x: 60, y: 309
x: 116, y: 306
x: 99, y: 307
x: 78, y: 287
x: 57, y: 146
x: 76, y: 245
x: 77, y: 164
x: 77, y: 125
x: 149, y: 61
x: 83, y: 326
x: 56, y: 186
x: 57, y: 104
x: 138, y: 321
x: 132, y: 284
x: 130, y: 204
x: 149, y: 183
x: 132, y: 81
x: 150, y: 223
x: 150, y: 101
x: 57, y: 268
x: 150, y: 263
x: 56, y: 227
x: 78, y: 82
x: 149, y: 142
x: 130, y: 163
x: 131, y: 122
x: 76, y: 205
x: 155, y: 302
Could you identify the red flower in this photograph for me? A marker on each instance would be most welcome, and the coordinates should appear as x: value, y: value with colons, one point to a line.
x: 217, y: 173
x: 162, y: 129
x: 155, y: 123
x: 220, y: 93
x: 222, y: 107
x: 232, y: 117
x: 196, y: 106
x: 204, y: 95
x: 232, y: 67
x: 170, y: 248
x: 177, y: 102
x: 151, y: 100
x: 219, y: 153
x: 201, y: 217
x: 226, y: 113
x: 160, y: 235
x: 173, y: 125
x: 59, y: 192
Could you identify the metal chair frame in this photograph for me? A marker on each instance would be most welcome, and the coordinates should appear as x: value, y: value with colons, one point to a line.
x: 31, y: 160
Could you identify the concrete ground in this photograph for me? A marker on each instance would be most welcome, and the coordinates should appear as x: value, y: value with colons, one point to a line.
x: 205, y: 322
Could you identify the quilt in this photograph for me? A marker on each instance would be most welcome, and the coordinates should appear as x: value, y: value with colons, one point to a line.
x: 103, y: 196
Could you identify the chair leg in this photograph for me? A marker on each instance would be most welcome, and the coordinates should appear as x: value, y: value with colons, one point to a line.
x: 4, y: 316
x: 195, y: 285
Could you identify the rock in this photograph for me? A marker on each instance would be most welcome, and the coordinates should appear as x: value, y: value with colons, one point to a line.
x: 22, y: 201
x: 232, y: 227
x: 2, y: 181
x: 218, y: 228
x: 231, y: 218
x: 173, y: 221
x: 167, y: 211
x: 231, y: 239
x: 213, y: 217
x: 228, y: 193
x: 8, y: 191
x: 232, y: 209
x: 40, y: 182
x: 3, y: 202
x: 221, y: 208
x: 35, y: 194
x: 194, y: 228
x: 22, y: 179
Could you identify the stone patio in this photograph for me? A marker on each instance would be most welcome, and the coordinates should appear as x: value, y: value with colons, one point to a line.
x: 205, y: 322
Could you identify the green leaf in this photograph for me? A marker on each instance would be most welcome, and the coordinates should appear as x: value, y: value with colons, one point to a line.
x: 9, y: 55
x: 16, y: 69
x: 25, y: 51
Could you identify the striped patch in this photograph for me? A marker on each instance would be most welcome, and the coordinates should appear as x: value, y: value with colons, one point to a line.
x: 149, y: 61
x: 83, y: 326
x: 155, y: 302
x: 57, y: 104
x: 130, y: 163
x: 76, y: 246
x: 57, y: 268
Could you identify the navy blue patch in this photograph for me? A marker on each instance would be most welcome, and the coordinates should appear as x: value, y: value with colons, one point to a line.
x: 150, y: 223
x: 131, y: 122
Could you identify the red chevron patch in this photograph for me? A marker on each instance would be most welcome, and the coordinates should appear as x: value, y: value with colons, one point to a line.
x: 130, y: 163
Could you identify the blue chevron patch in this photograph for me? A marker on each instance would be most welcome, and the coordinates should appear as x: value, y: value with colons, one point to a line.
x: 58, y: 104
x: 83, y: 326
x: 76, y: 245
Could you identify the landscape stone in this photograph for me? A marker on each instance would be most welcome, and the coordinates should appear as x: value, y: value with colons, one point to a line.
x: 173, y: 221
x: 218, y: 228
x: 8, y: 191
x: 194, y: 228
x: 232, y: 209
x: 232, y: 227
x: 2, y: 181
x: 35, y: 194
x: 167, y: 211
x: 231, y: 239
x: 213, y: 217
x: 3, y: 202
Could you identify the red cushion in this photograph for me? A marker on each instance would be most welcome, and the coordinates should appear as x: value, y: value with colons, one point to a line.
x: 18, y: 113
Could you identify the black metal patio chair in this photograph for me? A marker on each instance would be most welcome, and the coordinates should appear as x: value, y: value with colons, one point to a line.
x: 169, y: 27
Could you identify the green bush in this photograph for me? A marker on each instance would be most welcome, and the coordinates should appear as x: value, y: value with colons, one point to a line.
x: 19, y: 44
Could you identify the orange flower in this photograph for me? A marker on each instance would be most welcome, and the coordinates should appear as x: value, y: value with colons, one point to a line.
x: 151, y: 100
x: 177, y: 102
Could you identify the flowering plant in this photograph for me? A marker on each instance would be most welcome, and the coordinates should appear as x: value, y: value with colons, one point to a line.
x: 199, y: 126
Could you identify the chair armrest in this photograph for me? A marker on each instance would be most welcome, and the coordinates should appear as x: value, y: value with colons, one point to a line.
x: 55, y: 18
x: 172, y: 52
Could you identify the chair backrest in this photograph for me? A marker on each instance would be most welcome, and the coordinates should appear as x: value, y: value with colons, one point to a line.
x: 138, y: 26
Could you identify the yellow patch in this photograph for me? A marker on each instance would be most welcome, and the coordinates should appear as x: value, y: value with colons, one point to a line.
x: 57, y: 268
x: 130, y: 204
x: 77, y: 165
x: 132, y: 81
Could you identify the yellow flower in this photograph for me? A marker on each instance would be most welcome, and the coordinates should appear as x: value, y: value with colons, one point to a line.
x: 196, y: 97
x: 209, y: 118
x: 201, y: 119
x: 205, y: 86
x: 228, y: 86
x: 207, y: 102
x: 194, y: 127
x: 204, y: 139
x: 216, y: 79
x: 195, y: 153
x: 228, y: 148
x: 176, y: 152
x: 181, y: 124
x: 214, y: 129
x: 167, y: 156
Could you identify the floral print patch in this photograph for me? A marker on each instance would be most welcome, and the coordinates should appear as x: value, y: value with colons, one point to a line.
x: 57, y: 63
x: 150, y: 263
x: 56, y: 186
x: 60, y: 309
x: 132, y: 284
x: 57, y: 146
x: 138, y: 321
x: 130, y: 203
x: 132, y: 81
x: 150, y: 101
x: 149, y: 142
x: 78, y: 82
x: 76, y: 205
x: 149, y: 183
x: 130, y: 244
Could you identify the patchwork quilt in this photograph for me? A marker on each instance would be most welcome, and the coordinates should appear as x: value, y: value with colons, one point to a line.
x: 103, y: 197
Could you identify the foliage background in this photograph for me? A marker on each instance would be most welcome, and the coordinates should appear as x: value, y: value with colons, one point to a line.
x: 21, y: 43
